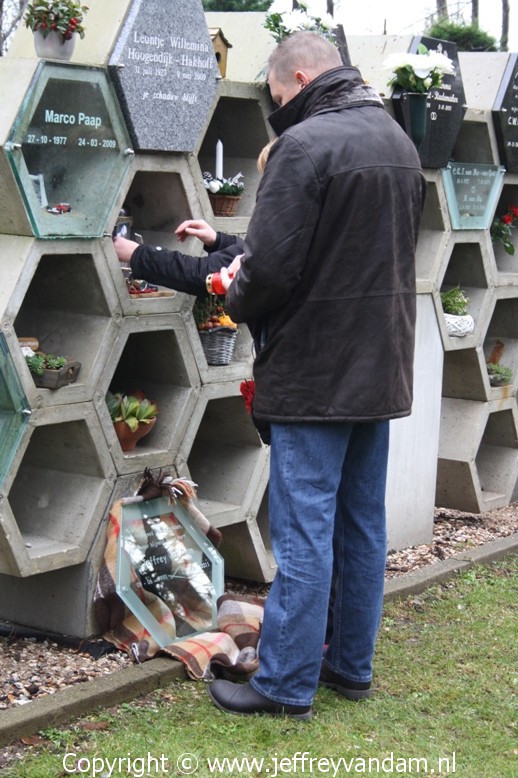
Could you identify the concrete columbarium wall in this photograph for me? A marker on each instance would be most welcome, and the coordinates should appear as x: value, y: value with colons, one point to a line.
x: 67, y: 468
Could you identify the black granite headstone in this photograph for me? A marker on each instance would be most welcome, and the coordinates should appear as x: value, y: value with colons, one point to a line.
x: 505, y: 116
x: 446, y: 107
x: 165, y: 72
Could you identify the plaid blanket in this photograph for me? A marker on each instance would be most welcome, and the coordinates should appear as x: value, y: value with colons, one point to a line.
x: 229, y: 652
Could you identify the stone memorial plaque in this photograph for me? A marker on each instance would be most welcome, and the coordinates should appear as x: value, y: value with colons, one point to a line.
x: 168, y: 574
x: 446, y: 107
x: 472, y: 193
x: 505, y: 116
x: 165, y: 72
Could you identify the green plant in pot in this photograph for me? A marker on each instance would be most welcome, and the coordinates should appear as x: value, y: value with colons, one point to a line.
x: 133, y: 416
x: 455, y: 308
x: 55, y: 24
x: 455, y: 302
x: 499, y: 375
x: 51, y: 372
x: 62, y: 16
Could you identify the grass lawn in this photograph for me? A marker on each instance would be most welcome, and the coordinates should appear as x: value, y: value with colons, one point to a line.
x: 446, y: 704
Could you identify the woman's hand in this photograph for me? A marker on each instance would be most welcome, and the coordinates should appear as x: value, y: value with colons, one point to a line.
x: 199, y: 229
x: 124, y: 248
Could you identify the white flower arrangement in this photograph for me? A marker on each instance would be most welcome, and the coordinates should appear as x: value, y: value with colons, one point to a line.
x: 224, y: 186
x: 418, y: 72
x: 282, y: 21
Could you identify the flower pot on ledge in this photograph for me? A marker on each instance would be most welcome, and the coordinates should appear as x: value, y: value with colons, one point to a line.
x: 224, y: 205
x: 54, y: 46
x: 129, y: 439
x: 410, y: 110
x: 55, y: 379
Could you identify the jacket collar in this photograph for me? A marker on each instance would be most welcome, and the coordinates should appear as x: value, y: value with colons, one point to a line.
x: 341, y: 87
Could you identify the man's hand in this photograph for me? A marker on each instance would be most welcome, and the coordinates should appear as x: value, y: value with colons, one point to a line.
x: 199, y: 229
x: 227, y: 273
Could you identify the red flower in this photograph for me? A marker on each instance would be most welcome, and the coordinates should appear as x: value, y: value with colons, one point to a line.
x: 507, y: 218
x: 247, y: 389
x: 514, y: 210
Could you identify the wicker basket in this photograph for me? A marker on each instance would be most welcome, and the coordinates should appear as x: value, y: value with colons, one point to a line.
x: 223, y: 205
x: 218, y: 344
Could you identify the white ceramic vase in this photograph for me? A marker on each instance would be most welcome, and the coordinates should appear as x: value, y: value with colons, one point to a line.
x: 53, y: 46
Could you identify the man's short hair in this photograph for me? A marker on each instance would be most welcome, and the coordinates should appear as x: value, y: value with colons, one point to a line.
x: 306, y: 51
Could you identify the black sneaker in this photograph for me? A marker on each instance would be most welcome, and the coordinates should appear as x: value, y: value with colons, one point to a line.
x: 352, y: 690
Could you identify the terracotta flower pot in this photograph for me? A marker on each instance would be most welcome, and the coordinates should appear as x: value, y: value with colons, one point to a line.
x: 128, y: 439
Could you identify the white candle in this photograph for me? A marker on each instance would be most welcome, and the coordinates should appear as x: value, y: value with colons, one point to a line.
x: 219, y: 159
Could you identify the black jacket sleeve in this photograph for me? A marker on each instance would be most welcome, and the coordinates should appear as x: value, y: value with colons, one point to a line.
x: 180, y: 271
x: 223, y: 241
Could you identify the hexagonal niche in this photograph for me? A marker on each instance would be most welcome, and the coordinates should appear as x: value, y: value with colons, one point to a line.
x: 465, y: 375
x: 476, y: 142
x: 433, y: 233
x: 239, y: 122
x: 55, y: 492
x: 507, y: 264
x: 468, y: 268
x: 69, y: 145
x: 478, y: 454
x: 160, y: 196
x: 70, y: 306
x: 246, y: 547
x: 153, y: 355
x: 501, y: 341
x: 224, y: 455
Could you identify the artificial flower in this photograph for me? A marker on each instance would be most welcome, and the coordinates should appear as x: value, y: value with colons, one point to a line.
x: 418, y: 72
x: 502, y: 228
x: 281, y: 20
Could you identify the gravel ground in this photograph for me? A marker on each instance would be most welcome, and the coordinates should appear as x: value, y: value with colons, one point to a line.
x: 30, y: 669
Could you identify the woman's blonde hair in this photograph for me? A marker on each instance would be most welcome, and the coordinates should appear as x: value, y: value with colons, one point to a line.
x: 262, y: 159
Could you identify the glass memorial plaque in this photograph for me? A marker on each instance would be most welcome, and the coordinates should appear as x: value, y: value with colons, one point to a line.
x: 168, y: 574
x: 472, y: 193
x: 69, y: 150
x: 14, y: 409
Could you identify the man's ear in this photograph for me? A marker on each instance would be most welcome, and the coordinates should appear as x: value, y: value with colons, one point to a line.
x: 302, y: 77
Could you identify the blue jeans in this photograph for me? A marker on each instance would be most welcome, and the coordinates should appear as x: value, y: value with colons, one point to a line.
x: 327, y: 502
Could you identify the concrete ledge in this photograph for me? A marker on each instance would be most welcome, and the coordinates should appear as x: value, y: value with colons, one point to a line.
x: 67, y: 704
x: 413, y: 583
x: 124, y: 685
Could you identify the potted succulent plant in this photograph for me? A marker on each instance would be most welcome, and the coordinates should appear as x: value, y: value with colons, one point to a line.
x: 52, y: 372
x: 133, y: 416
x: 455, y: 309
x: 56, y: 25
